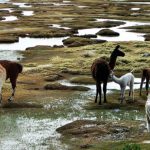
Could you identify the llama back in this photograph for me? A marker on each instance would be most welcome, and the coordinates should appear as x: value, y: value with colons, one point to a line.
x: 100, y: 69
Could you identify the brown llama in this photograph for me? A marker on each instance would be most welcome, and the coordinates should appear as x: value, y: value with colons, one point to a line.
x: 101, y: 70
x: 145, y: 75
x: 9, y: 70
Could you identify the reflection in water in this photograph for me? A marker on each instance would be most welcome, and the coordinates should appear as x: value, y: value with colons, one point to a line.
x: 4, y: 1
x: 9, y: 18
x: 135, y: 9
x: 22, y: 5
x: 59, y: 26
x: 10, y: 55
x: 110, y: 86
x: 141, y: 3
x: 125, y: 34
x: 36, y: 128
x: 28, y: 13
x: 31, y: 42
x: 8, y: 9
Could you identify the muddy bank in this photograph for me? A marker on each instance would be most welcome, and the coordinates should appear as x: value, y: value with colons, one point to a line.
x: 86, y: 133
x: 101, y: 130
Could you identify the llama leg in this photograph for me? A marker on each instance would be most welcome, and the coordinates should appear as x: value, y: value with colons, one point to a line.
x: 104, y: 91
x: 11, y: 98
x: 133, y: 94
x: 2, y: 80
x: 100, y: 94
x: 1, y: 92
x: 141, y: 85
x: 148, y: 123
x: 96, y: 92
x: 122, y: 94
x: 147, y: 85
x: 0, y: 98
x: 13, y: 83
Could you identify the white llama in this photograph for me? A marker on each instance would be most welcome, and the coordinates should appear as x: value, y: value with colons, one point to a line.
x: 147, y: 111
x: 124, y: 81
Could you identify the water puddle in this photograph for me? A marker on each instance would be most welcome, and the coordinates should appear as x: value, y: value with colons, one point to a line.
x: 36, y: 128
x: 146, y: 142
x: 110, y: 86
x: 59, y: 26
x: 135, y: 9
x: 141, y: 3
x: 82, y: 6
x: 61, y: 4
x: 4, y: 1
x: 26, y: 42
x: 8, y: 9
x: 9, y: 18
x: 10, y: 55
x: 125, y: 34
x: 28, y: 13
x: 22, y: 5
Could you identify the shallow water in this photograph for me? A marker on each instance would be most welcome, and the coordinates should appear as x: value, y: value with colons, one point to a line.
x: 125, y: 34
x: 31, y: 42
x: 22, y: 5
x: 4, y: 1
x: 110, y: 86
x: 9, y: 18
x: 28, y: 13
x: 10, y: 55
x: 36, y: 128
x: 59, y: 26
x: 8, y: 9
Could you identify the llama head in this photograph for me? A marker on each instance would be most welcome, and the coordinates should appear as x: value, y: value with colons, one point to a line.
x: 118, y: 52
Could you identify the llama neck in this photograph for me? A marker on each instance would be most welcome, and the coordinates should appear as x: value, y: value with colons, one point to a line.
x: 115, y: 79
x: 112, y: 61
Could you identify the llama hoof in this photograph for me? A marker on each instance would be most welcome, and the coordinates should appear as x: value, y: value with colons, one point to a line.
x: 10, y: 100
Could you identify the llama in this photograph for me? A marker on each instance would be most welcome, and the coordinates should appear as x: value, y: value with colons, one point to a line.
x: 147, y: 111
x: 9, y: 70
x: 124, y: 81
x: 101, y: 70
x: 145, y: 75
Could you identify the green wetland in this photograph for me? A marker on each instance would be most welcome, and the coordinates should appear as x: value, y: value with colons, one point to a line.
x: 57, y: 41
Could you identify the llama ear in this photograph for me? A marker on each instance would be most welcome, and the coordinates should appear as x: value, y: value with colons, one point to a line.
x: 117, y: 47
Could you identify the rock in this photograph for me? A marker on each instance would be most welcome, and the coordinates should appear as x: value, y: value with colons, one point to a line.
x: 21, y: 105
x: 58, y: 86
x: 146, y: 55
x: 80, y: 41
x: 107, y: 32
x: 53, y: 78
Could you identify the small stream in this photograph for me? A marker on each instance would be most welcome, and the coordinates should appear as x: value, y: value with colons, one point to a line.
x: 30, y: 129
x: 125, y: 34
x: 36, y: 128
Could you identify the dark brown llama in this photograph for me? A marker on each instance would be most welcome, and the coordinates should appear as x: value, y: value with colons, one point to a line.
x: 9, y: 70
x: 101, y: 70
x: 145, y: 75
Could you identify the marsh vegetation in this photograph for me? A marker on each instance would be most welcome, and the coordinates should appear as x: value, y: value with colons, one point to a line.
x: 55, y: 86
